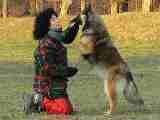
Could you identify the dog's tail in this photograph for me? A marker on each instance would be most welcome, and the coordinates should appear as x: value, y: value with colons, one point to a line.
x: 131, y: 92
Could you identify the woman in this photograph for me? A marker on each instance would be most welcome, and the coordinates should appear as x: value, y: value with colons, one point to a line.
x: 51, y: 66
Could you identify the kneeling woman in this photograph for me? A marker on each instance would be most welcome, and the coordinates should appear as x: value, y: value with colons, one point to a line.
x: 51, y: 67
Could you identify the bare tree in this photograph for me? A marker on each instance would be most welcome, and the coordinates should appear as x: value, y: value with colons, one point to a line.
x: 146, y: 5
x: 37, y: 6
x: 117, y: 6
x: 114, y: 7
x: 82, y: 4
x: 32, y: 4
x: 4, y: 9
x: 93, y: 3
x: 40, y: 5
x: 65, y: 6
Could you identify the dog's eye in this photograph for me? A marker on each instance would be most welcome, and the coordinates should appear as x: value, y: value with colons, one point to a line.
x: 89, y: 31
x: 86, y: 30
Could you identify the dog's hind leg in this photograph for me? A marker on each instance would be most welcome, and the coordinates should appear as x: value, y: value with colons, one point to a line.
x: 110, y: 90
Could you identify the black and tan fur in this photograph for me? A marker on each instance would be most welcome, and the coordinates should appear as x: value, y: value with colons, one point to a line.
x: 98, y: 49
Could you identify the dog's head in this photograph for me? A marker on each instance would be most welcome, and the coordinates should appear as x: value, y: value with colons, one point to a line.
x: 88, y: 33
x: 88, y: 15
x: 93, y: 30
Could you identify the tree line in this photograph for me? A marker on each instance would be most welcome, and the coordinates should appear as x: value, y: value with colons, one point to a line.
x: 63, y: 6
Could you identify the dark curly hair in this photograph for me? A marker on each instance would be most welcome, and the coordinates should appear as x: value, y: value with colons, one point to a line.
x: 42, y: 23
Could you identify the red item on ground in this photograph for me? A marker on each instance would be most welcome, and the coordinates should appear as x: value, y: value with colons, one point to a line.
x: 57, y: 106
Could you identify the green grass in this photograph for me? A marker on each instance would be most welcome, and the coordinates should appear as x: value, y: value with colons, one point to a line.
x: 136, y: 36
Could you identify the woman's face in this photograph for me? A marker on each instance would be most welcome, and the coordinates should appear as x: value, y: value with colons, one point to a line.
x: 55, y: 22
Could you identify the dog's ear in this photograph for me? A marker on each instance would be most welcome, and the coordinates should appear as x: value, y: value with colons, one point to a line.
x: 87, y: 9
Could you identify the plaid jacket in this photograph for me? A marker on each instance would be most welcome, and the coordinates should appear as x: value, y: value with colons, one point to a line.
x: 50, y: 59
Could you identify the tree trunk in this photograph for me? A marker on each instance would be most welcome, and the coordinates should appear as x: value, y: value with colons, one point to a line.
x: 37, y: 5
x: 146, y: 5
x: 93, y: 4
x: 4, y: 11
x: 114, y: 7
x: 32, y: 4
x: 65, y: 7
x: 40, y: 5
x: 82, y: 5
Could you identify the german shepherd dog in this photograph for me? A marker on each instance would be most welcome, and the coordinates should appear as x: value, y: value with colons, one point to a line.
x: 97, y: 48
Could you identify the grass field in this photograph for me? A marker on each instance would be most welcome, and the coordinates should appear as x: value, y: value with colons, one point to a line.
x: 135, y: 35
